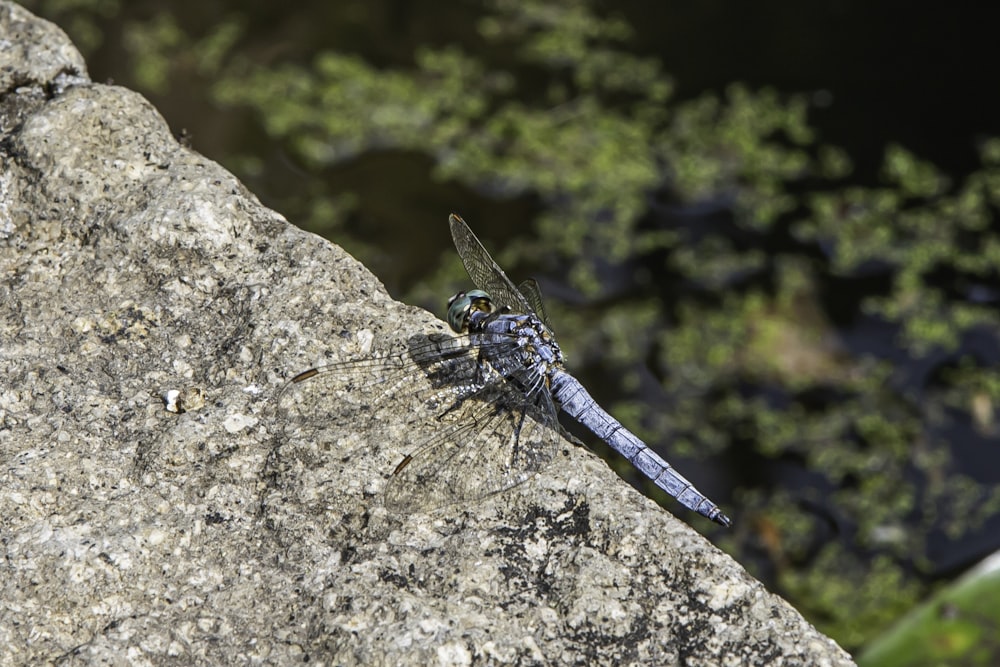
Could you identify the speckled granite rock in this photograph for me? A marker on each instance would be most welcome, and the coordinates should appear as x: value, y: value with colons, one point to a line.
x: 143, y: 526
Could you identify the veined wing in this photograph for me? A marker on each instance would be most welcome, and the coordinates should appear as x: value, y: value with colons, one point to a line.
x: 486, y: 273
x: 434, y: 370
x: 494, y: 440
x: 533, y: 293
x: 474, y: 434
x: 373, y: 380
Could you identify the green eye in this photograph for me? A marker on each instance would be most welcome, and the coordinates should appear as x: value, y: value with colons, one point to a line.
x: 460, y: 308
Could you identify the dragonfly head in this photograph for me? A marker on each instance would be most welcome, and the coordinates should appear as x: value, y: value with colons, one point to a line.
x: 462, y: 305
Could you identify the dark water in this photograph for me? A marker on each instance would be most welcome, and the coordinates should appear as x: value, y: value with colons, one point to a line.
x: 891, y: 72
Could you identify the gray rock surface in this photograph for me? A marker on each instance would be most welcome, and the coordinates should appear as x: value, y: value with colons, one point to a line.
x: 139, y: 530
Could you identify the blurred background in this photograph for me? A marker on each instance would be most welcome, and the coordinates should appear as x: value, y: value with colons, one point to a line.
x: 767, y: 234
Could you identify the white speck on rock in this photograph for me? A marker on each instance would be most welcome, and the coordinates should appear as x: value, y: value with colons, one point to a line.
x: 236, y: 423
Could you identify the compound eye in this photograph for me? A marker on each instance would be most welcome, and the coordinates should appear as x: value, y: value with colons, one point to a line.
x: 458, y: 312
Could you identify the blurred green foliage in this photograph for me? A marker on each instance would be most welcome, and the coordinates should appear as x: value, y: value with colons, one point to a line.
x: 718, y: 256
x: 957, y: 626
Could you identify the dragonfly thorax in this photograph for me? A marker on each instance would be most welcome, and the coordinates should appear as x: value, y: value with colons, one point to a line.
x: 462, y: 305
x: 517, y: 346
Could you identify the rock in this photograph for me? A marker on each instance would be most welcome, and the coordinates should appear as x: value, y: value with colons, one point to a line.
x: 154, y: 504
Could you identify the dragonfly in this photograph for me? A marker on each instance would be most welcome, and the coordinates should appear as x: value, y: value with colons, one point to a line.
x: 490, y: 397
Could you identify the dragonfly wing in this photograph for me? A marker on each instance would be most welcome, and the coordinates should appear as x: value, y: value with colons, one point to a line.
x: 494, y: 440
x: 371, y: 382
x: 485, y: 273
x: 482, y: 435
x: 533, y: 294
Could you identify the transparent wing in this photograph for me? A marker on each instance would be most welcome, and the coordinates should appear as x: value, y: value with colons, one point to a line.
x: 485, y: 273
x: 373, y: 382
x: 472, y: 433
x: 533, y: 294
x: 496, y: 440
